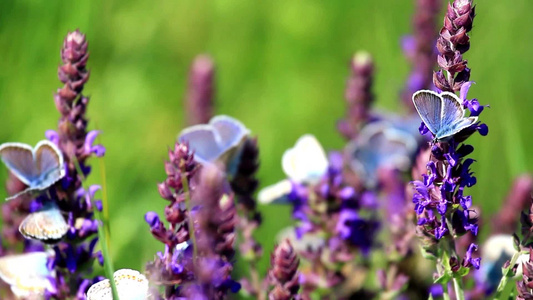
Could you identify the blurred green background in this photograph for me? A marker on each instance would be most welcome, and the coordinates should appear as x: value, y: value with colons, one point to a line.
x: 281, y: 69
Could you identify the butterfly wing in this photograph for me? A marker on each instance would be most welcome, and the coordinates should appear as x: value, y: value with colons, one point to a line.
x: 306, y: 162
x: 452, y: 109
x: 276, y: 193
x: 100, y: 291
x: 130, y: 285
x: 204, y: 141
x: 233, y: 135
x: 428, y: 104
x: 18, y: 158
x: 49, y: 161
x: 27, y: 273
x: 231, y: 131
x: 47, y: 225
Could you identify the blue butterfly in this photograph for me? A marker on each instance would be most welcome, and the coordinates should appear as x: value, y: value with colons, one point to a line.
x: 219, y: 141
x: 46, y: 225
x: 380, y: 144
x: 443, y: 114
x: 38, y: 168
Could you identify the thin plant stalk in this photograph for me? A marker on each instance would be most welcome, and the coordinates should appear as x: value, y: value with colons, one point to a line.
x: 457, y: 286
x: 185, y: 184
x: 505, y: 277
x: 105, y: 203
x: 108, y: 264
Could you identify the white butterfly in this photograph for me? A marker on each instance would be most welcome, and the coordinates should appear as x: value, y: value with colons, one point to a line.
x: 131, y: 285
x: 38, y: 168
x: 305, y: 163
x: 219, y: 141
x: 27, y: 274
x: 47, y: 225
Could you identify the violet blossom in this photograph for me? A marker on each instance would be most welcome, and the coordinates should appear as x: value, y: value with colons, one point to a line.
x: 204, y: 272
x: 76, y: 252
x: 444, y: 210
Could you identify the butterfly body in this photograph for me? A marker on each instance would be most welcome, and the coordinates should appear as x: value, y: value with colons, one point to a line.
x: 443, y: 114
x: 38, y: 168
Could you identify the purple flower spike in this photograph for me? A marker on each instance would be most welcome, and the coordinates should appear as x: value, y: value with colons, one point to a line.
x: 358, y: 94
x: 444, y: 211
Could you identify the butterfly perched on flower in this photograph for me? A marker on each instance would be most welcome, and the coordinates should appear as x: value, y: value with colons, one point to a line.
x: 130, y: 284
x: 47, y: 225
x: 443, y: 114
x: 38, y: 168
x: 380, y: 144
x: 27, y: 274
x: 219, y: 141
x: 304, y: 163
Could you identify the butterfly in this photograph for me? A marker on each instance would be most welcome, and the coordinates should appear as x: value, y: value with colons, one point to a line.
x: 304, y: 163
x: 27, y: 274
x: 443, y: 114
x: 380, y: 144
x: 497, y: 250
x: 130, y: 284
x: 46, y: 225
x: 220, y: 140
x: 38, y: 168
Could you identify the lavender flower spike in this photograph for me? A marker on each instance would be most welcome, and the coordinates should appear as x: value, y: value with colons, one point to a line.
x: 444, y: 210
x: 452, y: 44
x: 199, y: 101
x: 283, y: 274
x: 359, y: 96
x: 75, y: 253
x: 419, y: 48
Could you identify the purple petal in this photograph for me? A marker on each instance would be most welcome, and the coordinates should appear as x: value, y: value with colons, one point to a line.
x: 88, y: 147
x: 464, y: 90
x: 52, y: 136
x: 152, y: 219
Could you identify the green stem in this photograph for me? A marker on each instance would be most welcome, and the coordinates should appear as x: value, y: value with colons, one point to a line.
x: 105, y: 210
x: 457, y: 286
x: 192, y: 234
x: 506, y: 276
x: 108, y: 264
x: 445, y: 295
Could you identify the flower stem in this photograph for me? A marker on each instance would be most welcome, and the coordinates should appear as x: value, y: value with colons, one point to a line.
x: 108, y: 264
x: 192, y: 234
x: 457, y: 286
x: 445, y: 295
x: 105, y: 205
x: 505, y: 277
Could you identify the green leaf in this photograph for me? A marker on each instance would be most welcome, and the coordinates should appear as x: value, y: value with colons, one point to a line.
x: 444, y: 278
x: 462, y: 272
